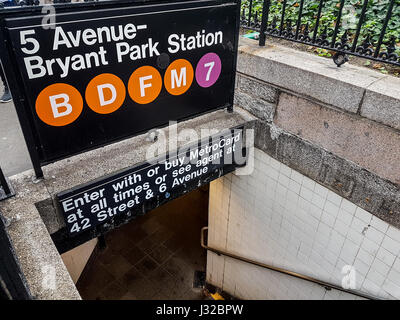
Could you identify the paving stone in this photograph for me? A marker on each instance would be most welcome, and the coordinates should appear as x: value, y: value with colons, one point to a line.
x: 115, y: 263
x: 134, y: 231
x: 144, y: 289
x: 97, y: 274
x: 147, y: 244
x: 128, y: 296
x: 117, y: 240
x: 114, y: 291
x: 130, y: 278
x: 160, y: 254
x: 160, y: 275
x: 133, y: 254
x: 194, y: 294
x: 176, y: 266
x: 146, y: 265
x: 161, y: 235
x: 174, y: 243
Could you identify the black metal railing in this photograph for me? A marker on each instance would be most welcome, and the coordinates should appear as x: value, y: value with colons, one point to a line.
x: 363, y: 28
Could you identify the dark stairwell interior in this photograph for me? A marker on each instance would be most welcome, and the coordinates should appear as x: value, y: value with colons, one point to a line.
x: 154, y: 256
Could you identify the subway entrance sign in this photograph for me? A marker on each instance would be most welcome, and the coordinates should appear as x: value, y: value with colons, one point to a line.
x: 96, y: 73
x: 121, y: 196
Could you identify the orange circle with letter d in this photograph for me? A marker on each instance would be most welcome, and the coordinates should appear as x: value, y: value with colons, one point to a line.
x: 59, y: 104
x: 179, y: 77
x: 145, y: 85
x: 105, y: 93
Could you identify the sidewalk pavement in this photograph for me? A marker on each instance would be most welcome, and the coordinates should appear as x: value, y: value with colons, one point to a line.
x: 14, y: 156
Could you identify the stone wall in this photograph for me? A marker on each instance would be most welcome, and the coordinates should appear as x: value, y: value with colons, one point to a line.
x: 325, y: 190
x: 339, y: 126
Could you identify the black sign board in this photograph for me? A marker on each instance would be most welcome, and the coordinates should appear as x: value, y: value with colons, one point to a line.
x: 101, y: 201
x: 97, y: 73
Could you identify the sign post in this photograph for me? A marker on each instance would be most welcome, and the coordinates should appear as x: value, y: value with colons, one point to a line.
x: 5, y: 188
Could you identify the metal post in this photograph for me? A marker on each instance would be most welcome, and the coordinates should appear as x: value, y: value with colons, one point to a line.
x: 282, y: 17
x: 299, y: 19
x: 383, y: 30
x: 5, y: 191
x: 339, y: 17
x: 102, y: 242
x: 250, y: 9
x: 360, y: 23
x: 264, y: 23
x: 235, y: 50
x: 321, y: 4
x: 4, y: 183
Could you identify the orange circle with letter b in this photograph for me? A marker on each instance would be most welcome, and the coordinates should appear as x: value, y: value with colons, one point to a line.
x: 59, y: 104
x: 145, y: 85
x: 105, y: 93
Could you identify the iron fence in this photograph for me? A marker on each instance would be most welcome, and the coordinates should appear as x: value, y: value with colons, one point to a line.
x: 363, y: 28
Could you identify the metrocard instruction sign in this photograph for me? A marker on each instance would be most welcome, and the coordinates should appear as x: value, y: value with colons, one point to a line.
x: 104, y: 73
x: 126, y: 192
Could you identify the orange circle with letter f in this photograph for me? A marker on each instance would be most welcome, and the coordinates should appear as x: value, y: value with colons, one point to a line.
x: 145, y: 85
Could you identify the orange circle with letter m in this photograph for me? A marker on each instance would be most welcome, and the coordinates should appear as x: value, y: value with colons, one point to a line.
x: 179, y: 77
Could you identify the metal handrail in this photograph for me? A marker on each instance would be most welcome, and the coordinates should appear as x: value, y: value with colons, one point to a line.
x: 284, y: 271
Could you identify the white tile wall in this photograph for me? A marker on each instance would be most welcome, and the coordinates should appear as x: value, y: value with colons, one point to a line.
x: 280, y: 217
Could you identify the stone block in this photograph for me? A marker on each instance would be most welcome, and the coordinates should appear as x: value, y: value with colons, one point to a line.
x: 306, y: 74
x: 382, y: 102
x: 367, y: 143
x: 261, y: 109
x: 257, y: 89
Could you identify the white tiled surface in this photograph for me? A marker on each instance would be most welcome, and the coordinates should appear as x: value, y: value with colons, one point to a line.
x: 280, y: 217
